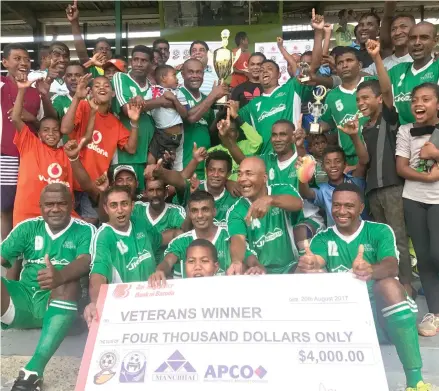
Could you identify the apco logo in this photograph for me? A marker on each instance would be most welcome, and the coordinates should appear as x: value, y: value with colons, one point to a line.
x: 121, y: 291
x: 107, y: 362
x: 95, y: 140
x: 54, y: 170
x: 175, y: 368
x: 236, y: 373
x: 133, y: 368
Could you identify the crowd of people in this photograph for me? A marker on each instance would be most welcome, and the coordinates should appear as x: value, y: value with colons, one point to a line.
x: 115, y: 171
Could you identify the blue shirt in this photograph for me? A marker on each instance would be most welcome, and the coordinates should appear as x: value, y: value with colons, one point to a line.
x: 323, y: 197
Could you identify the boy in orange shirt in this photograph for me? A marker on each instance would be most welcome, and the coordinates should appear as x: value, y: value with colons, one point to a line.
x: 41, y: 161
x: 108, y: 134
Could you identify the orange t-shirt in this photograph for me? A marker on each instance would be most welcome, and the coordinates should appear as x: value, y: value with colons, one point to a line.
x: 39, y: 166
x: 108, y: 134
x: 241, y: 64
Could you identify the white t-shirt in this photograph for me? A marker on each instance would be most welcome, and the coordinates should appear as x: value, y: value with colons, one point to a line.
x: 409, y: 147
x: 58, y: 86
x: 165, y: 118
x: 389, y: 63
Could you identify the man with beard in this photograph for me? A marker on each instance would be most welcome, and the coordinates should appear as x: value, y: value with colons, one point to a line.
x: 404, y: 77
x: 199, y: 50
x: 201, y: 211
x: 161, y: 215
x: 162, y: 45
x: 200, y: 112
x: 134, y: 85
x: 123, y: 250
x: 264, y: 218
x: 251, y: 88
x: 56, y: 252
x: 399, y: 34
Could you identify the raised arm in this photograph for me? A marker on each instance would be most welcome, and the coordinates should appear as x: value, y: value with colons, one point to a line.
x: 22, y: 83
x: 196, y: 112
x: 287, y: 56
x: 385, y: 38
x: 351, y: 128
x: 223, y: 128
x: 133, y: 111
x: 171, y: 177
x: 318, y: 24
x: 199, y: 155
x: 72, y: 13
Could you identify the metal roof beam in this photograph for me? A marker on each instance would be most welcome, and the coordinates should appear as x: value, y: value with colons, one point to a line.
x: 20, y: 12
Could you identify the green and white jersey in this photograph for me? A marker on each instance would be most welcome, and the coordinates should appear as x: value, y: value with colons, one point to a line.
x: 125, y: 256
x: 61, y: 104
x: 179, y: 245
x: 339, y: 251
x: 197, y: 132
x: 33, y: 239
x: 126, y: 88
x: 282, y: 103
x: 222, y: 202
x: 404, y: 78
x: 271, y: 237
x: 341, y: 107
x: 172, y: 217
x: 281, y: 172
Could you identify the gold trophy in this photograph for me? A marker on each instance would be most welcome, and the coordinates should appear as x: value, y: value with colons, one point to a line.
x: 223, y: 61
x: 317, y: 109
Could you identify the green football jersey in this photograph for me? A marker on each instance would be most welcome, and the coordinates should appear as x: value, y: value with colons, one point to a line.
x: 222, y: 202
x: 126, y: 256
x: 61, y: 104
x: 96, y: 71
x: 282, y: 103
x: 172, y: 217
x: 196, y: 133
x: 340, y: 251
x: 281, y: 172
x: 126, y: 88
x: 341, y: 107
x: 404, y: 78
x: 33, y: 239
x: 271, y: 237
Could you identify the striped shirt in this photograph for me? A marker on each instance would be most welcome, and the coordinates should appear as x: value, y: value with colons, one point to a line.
x: 210, y: 77
x: 9, y: 170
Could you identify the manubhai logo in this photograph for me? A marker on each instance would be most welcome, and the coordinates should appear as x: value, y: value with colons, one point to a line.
x: 175, y: 368
x: 235, y: 373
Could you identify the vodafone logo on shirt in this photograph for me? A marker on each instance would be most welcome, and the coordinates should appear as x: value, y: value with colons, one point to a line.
x: 54, y: 172
x: 95, y: 140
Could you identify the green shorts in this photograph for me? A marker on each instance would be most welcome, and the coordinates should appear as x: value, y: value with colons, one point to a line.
x: 313, y: 223
x: 139, y: 168
x: 30, y: 306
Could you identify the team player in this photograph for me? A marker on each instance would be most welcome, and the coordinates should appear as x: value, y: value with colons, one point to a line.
x: 56, y: 253
x: 264, y: 218
x: 162, y: 215
x: 201, y: 259
x: 124, y: 249
x: 218, y: 168
x: 424, y: 69
x: 369, y: 250
x: 280, y: 102
x: 341, y: 101
x: 201, y: 211
x: 41, y: 160
x: 127, y: 86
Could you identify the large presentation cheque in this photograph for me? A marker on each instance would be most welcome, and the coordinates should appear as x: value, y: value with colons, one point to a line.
x: 273, y: 332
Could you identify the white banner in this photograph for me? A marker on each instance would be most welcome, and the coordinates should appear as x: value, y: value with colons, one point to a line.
x: 275, y: 332
x: 179, y: 52
x: 272, y: 52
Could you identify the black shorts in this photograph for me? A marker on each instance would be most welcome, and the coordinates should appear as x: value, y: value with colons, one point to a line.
x: 162, y: 142
x: 8, y: 197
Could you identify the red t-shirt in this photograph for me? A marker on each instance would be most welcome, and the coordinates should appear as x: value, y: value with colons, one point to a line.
x: 108, y: 134
x: 241, y: 64
x: 32, y: 102
x: 39, y: 166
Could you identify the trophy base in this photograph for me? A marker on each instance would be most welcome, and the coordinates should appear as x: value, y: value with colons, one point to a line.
x: 220, y: 103
x: 303, y: 79
x: 314, y: 128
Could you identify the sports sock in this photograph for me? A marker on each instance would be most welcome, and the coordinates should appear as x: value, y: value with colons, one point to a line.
x: 56, y: 324
x: 400, y: 321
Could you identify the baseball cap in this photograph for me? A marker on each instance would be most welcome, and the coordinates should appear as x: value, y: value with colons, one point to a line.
x: 119, y: 64
x: 119, y: 169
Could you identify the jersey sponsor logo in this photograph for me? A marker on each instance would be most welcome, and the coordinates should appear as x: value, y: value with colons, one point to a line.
x: 39, y: 242
x: 42, y: 178
x: 427, y: 77
x: 220, y: 223
x: 202, y: 121
x: 275, y: 211
x: 340, y: 269
x: 54, y: 170
x: 122, y: 247
x: 368, y: 247
x: 332, y: 249
x: 280, y: 94
x: 273, y: 111
x: 401, y: 97
x: 42, y: 261
x: 69, y: 244
x: 95, y: 140
x: 136, y: 261
x: 292, y: 174
x: 140, y: 235
x: 350, y: 117
x: 269, y: 237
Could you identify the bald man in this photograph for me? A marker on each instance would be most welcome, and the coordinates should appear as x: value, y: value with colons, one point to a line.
x: 264, y: 217
x: 200, y: 112
x: 424, y: 69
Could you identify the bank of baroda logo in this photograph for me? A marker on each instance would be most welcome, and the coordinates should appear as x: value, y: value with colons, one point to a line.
x: 175, y: 368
